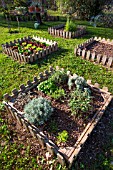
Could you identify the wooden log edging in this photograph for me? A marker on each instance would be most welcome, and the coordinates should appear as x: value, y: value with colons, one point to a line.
x: 57, y: 31
x: 66, y: 155
x: 80, y: 50
x: 53, y: 46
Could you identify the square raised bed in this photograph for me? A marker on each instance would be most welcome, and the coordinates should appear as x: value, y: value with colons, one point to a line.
x: 98, y: 50
x: 75, y: 129
x: 60, y: 32
x: 29, y: 49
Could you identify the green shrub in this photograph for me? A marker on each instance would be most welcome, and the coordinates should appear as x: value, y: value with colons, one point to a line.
x: 59, y: 77
x: 62, y: 136
x: 70, y: 26
x: 38, y: 110
x: 80, y: 101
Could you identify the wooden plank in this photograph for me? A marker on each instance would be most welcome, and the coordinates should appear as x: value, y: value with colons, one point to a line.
x: 84, y: 54
x: 99, y: 58
x: 61, y: 159
x: 41, y: 140
x: 25, y: 124
x: 104, y: 59
x: 88, y: 131
x: 93, y: 56
x: 110, y: 62
x: 50, y: 148
x: 32, y: 131
x: 88, y: 55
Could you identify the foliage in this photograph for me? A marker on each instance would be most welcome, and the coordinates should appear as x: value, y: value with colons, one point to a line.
x: 58, y: 93
x: 53, y: 126
x: 70, y: 26
x: 11, y: 156
x: 29, y: 47
x: 38, y: 110
x: 103, y: 20
x: 84, y: 9
x: 50, y: 87
x: 79, y: 102
x: 78, y: 81
x: 59, y: 77
x: 62, y: 136
x: 12, y: 74
x: 47, y: 86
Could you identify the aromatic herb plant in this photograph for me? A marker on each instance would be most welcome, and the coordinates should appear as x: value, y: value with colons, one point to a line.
x: 59, y: 92
x: 78, y: 81
x: 60, y: 76
x: 38, y: 110
x: 79, y: 102
x: 62, y: 136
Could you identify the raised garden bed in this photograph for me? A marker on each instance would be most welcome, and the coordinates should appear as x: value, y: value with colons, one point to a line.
x: 60, y: 32
x: 29, y: 49
x: 78, y: 128
x: 98, y: 50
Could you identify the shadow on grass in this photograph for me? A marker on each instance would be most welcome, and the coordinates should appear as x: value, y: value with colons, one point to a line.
x: 49, y: 59
x: 28, y: 24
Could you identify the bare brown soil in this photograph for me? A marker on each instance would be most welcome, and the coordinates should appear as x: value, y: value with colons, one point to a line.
x: 62, y: 116
x: 101, y: 48
x: 96, y: 145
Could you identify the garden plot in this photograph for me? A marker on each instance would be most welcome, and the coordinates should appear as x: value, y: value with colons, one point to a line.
x: 97, y: 50
x: 29, y: 49
x: 60, y: 32
x: 60, y: 110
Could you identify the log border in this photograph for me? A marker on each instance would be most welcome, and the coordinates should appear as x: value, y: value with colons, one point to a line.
x: 66, y: 155
x: 55, y: 31
x: 53, y: 46
x: 80, y: 50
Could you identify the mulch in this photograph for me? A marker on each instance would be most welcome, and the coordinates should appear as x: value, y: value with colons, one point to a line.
x: 101, y: 48
x: 62, y: 116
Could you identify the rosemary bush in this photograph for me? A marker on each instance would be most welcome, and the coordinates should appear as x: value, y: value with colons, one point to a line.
x: 38, y: 110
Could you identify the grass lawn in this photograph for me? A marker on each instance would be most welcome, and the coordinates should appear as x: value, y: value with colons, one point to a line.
x: 12, y: 73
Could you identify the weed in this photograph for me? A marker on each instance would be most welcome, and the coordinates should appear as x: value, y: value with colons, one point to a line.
x: 62, y: 136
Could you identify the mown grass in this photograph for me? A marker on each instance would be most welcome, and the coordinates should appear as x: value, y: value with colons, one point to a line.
x: 13, y: 74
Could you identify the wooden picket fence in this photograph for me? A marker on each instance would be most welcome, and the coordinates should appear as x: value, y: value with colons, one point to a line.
x: 65, y: 155
x: 53, y: 46
x: 105, y: 60
x: 59, y: 31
